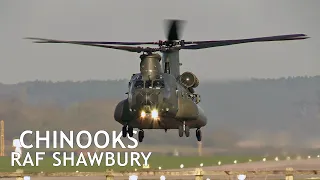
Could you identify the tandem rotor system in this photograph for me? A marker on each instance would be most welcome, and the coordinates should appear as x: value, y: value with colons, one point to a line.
x: 171, y: 46
x: 173, y: 42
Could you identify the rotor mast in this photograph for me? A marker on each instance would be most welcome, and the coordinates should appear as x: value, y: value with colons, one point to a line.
x: 171, y: 63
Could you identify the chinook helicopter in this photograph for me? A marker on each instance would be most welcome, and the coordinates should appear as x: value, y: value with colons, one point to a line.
x: 159, y: 97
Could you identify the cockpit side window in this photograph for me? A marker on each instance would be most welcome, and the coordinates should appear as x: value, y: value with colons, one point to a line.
x: 148, y: 84
x: 158, y: 84
x: 138, y: 84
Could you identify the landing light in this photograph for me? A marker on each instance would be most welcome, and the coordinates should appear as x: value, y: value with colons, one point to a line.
x: 143, y: 114
x: 154, y: 114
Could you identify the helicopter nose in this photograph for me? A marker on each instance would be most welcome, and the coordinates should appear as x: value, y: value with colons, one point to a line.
x: 147, y: 98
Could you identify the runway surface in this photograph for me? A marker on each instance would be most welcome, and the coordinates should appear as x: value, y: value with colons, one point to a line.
x: 310, y: 164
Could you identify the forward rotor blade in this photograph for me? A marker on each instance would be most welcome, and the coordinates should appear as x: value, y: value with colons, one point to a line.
x: 41, y: 40
x: 209, y: 44
x: 125, y: 48
x: 174, y: 28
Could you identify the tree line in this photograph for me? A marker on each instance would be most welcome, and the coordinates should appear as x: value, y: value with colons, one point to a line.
x: 272, y: 112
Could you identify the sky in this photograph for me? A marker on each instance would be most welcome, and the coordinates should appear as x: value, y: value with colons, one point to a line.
x: 143, y: 20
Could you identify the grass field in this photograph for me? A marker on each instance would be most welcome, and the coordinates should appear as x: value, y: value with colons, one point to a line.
x: 155, y: 161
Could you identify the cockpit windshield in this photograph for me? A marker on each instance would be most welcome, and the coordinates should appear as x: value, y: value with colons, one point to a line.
x: 148, y: 84
x: 158, y: 84
x: 138, y: 84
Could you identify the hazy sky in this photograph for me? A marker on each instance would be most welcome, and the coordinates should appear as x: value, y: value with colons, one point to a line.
x: 142, y: 20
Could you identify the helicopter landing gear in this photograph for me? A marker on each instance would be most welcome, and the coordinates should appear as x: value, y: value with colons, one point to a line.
x: 187, y: 131
x: 184, y: 129
x: 130, y: 131
x: 124, y: 131
x: 198, y: 134
x: 127, y: 130
x: 180, y: 131
x: 141, y: 135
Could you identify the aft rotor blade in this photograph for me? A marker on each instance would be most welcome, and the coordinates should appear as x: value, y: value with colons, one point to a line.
x: 209, y: 44
x: 125, y: 48
x: 174, y: 28
x: 41, y: 40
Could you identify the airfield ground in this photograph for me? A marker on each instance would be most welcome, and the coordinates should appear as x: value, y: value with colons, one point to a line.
x: 304, y: 164
x: 268, y: 165
x: 155, y: 161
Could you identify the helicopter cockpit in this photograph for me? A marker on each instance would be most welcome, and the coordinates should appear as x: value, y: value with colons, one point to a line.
x: 139, y: 83
x: 151, y: 84
x: 146, y: 92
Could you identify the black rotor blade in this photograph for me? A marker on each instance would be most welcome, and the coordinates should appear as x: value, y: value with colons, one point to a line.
x: 40, y: 40
x: 174, y: 28
x: 125, y: 48
x: 209, y: 44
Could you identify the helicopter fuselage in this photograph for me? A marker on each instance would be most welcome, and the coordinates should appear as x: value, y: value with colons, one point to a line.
x: 160, y: 98
x: 159, y: 103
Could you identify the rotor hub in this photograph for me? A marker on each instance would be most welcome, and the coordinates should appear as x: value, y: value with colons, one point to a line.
x: 169, y: 44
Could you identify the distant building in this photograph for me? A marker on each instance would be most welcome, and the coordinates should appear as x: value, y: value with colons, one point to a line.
x: 176, y: 152
x: 17, y: 145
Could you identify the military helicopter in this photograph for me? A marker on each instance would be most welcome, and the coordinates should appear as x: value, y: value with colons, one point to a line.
x: 159, y: 97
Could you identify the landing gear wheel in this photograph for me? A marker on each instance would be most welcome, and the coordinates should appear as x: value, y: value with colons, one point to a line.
x: 130, y: 131
x: 140, y: 135
x: 199, y: 134
x: 124, y: 131
x: 180, y: 131
x: 187, y: 131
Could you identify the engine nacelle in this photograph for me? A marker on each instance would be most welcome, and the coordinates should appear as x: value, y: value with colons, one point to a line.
x: 188, y: 79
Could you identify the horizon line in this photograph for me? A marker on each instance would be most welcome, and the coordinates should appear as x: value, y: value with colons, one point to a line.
x: 127, y: 79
